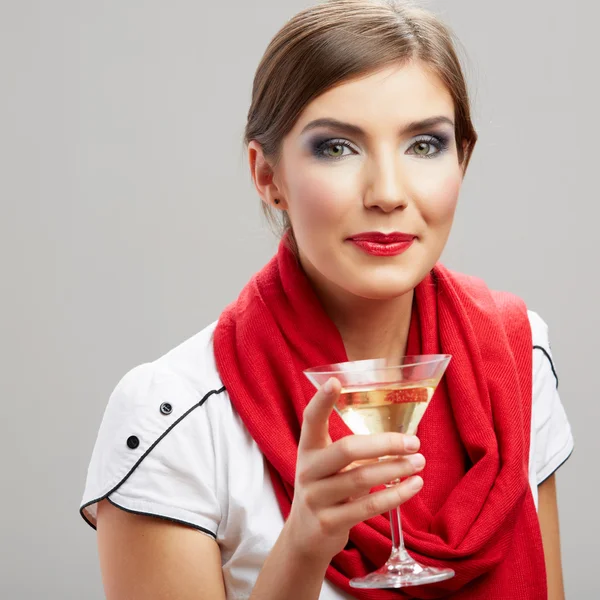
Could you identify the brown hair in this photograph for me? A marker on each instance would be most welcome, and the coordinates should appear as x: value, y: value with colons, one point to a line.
x: 337, y: 40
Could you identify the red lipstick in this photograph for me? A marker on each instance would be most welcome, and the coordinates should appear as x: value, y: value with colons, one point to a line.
x: 383, y: 244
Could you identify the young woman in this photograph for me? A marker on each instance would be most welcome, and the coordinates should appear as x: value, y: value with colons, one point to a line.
x: 219, y: 473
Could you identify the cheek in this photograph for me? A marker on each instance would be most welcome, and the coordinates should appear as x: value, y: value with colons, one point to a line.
x: 318, y: 199
x: 442, y: 197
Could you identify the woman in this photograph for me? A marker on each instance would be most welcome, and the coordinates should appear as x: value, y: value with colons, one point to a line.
x: 359, y: 135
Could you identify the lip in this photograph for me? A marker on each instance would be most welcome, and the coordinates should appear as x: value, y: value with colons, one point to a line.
x: 377, y: 237
x: 377, y: 243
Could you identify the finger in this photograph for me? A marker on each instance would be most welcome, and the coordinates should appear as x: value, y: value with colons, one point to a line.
x: 369, y: 506
x: 359, y: 481
x: 356, y: 448
x: 315, y: 425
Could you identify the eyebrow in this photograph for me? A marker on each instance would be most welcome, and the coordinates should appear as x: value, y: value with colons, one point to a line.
x: 356, y: 130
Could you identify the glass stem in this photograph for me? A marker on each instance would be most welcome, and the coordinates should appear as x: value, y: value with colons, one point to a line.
x: 399, y: 553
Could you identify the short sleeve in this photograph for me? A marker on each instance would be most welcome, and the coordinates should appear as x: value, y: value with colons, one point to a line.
x: 551, y: 431
x: 155, y: 451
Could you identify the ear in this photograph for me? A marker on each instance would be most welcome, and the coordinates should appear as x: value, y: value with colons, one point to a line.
x: 263, y: 177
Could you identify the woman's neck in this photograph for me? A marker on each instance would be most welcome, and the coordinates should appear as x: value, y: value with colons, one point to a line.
x: 369, y: 328
x: 373, y: 328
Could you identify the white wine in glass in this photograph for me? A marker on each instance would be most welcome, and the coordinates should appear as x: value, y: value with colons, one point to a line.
x: 378, y: 397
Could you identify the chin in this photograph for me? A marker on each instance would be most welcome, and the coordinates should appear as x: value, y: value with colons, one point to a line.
x: 383, y: 288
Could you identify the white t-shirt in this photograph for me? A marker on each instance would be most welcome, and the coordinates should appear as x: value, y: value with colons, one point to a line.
x: 171, y: 445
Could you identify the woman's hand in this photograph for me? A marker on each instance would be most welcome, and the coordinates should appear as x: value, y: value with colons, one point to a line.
x: 329, y: 497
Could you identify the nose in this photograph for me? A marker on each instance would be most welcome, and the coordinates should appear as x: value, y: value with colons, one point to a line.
x: 386, y: 190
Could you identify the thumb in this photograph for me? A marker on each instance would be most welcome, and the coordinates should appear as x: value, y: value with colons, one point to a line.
x: 315, y: 425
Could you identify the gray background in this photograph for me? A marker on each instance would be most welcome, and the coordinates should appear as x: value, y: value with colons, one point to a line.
x: 128, y: 221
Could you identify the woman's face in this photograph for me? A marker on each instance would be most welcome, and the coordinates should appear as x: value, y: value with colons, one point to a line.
x: 360, y: 159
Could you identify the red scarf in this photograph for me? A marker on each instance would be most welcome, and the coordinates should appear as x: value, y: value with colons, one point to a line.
x: 475, y: 512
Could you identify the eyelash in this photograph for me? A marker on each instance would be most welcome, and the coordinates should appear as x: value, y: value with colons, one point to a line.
x: 441, y: 142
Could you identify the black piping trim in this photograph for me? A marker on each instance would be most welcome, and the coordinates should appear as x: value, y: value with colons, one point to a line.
x: 135, y: 466
x: 170, y: 519
x: 550, y: 359
x: 557, y: 468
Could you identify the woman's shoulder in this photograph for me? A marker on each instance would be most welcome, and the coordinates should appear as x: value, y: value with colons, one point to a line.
x: 545, y: 378
x: 165, y: 411
x: 193, y: 361
x: 170, y: 385
x: 511, y: 305
x: 539, y: 329
x: 517, y: 317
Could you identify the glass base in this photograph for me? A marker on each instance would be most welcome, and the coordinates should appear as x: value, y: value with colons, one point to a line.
x: 401, y: 573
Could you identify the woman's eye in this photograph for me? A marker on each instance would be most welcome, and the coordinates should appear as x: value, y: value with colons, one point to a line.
x: 424, y: 147
x: 336, y: 150
x: 333, y: 149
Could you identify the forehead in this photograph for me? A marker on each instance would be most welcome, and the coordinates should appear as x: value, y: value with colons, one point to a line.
x: 393, y: 95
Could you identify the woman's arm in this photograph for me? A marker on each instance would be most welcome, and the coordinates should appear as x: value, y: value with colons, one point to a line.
x: 287, y: 574
x: 548, y: 516
x: 146, y: 558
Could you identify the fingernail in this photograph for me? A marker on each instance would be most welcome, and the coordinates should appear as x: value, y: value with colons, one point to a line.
x: 411, y: 443
x: 417, y: 460
x: 328, y: 387
x: 415, y: 483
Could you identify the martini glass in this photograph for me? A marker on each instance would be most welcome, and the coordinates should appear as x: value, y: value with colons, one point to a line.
x: 377, y: 397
